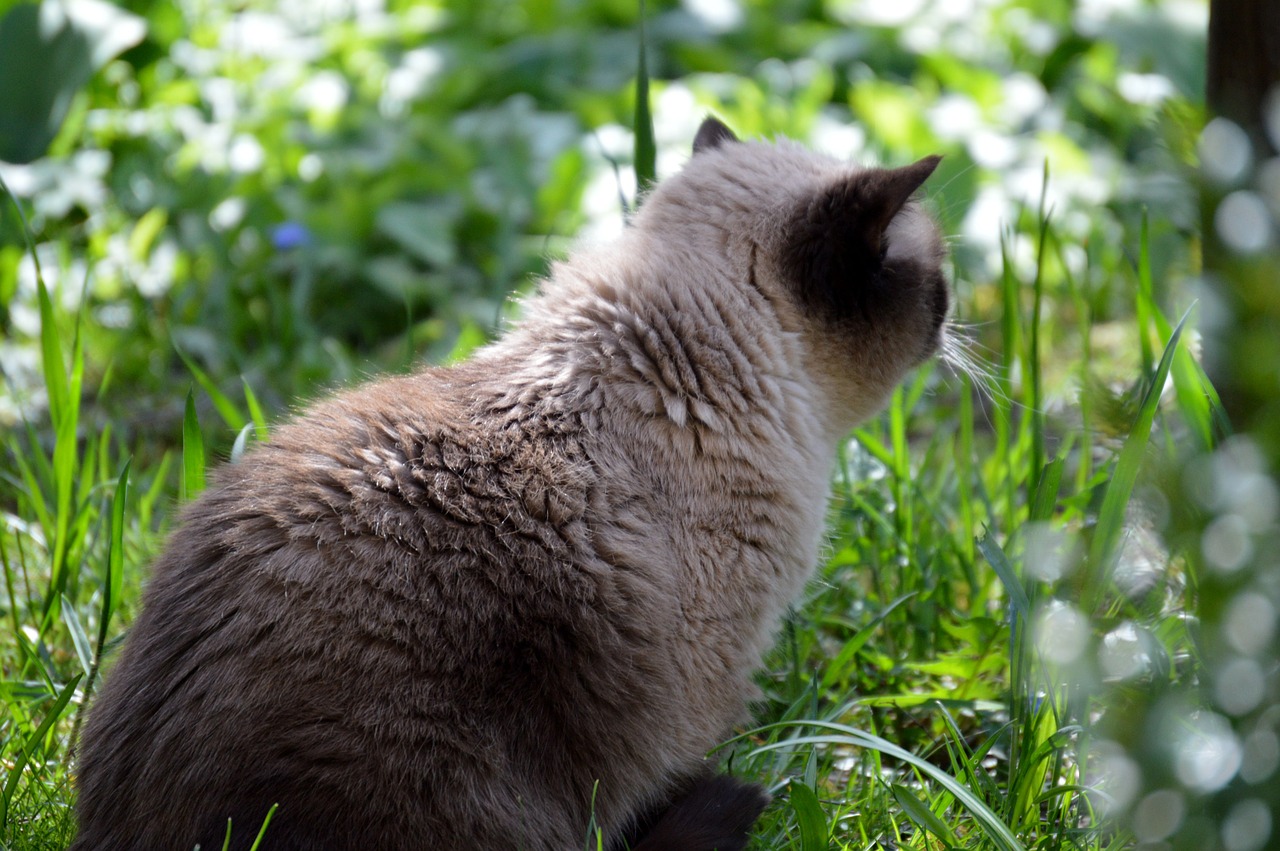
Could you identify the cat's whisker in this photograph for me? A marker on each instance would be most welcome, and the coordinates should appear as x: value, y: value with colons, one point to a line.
x: 958, y: 353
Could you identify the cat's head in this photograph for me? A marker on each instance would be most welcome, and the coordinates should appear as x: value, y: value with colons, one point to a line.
x: 848, y: 258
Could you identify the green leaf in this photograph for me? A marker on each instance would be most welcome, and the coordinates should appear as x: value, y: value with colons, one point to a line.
x: 78, y: 638
x: 255, y: 411
x: 1112, y: 513
x: 423, y: 229
x: 114, y: 584
x: 646, y: 153
x: 192, y: 451
x: 995, y: 556
x: 809, y: 816
x: 222, y: 404
x: 55, y: 371
x: 47, y: 52
x: 923, y: 817
x: 242, y: 442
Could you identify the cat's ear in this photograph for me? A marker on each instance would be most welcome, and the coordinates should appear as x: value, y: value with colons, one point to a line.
x: 887, y: 192
x: 711, y: 135
x: 835, y: 245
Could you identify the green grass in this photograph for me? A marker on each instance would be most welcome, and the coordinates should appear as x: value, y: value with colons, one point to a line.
x: 912, y: 695
x: 921, y: 695
x: 909, y: 700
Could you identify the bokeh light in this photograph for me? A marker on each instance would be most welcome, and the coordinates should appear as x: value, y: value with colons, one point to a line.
x: 1243, y: 222
x: 1247, y: 827
x: 1124, y: 653
x: 1239, y: 686
x: 1061, y: 632
x: 1250, y: 622
x: 1207, y: 753
x: 1113, y: 776
x: 1158, y: 815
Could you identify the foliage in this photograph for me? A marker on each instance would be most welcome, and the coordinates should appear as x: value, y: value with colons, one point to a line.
x: 49, y: 51
x: 260, y: 201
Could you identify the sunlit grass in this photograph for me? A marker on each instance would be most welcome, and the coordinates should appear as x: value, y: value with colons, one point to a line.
x: 961, y: 614
x: 945, y: 678
x: 910, y: 694
x: 913, y: 692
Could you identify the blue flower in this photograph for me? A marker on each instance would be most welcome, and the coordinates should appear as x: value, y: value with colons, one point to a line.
x: 290, y: 235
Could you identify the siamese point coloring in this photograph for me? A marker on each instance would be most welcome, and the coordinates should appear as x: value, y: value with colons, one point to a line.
x: 498, y: 604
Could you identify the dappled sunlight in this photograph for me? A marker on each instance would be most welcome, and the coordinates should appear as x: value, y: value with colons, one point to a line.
x: 1051, y: 571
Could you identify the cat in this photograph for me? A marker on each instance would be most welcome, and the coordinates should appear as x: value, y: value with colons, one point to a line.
x: 516, y: 601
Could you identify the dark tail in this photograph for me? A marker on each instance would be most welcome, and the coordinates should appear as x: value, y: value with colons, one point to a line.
x: 715, y: 815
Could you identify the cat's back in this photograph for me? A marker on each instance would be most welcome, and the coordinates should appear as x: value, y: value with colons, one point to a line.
x: 373, y: 600
x: 491, y: 605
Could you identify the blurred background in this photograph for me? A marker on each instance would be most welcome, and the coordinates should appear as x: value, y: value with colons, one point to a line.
x: 1051, y: 580
x: 289, y: 191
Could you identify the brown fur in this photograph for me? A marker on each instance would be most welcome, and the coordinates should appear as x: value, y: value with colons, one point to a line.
x: 447, y: 611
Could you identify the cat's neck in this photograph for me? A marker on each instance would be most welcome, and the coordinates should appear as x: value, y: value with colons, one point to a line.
x: 689, y: 396
x: 681, y: 346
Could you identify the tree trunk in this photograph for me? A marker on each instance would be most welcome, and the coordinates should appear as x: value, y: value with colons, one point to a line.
x: 1242, y: 81
x: 1244, y: 65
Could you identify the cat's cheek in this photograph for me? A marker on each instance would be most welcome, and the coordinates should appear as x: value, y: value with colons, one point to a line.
x: 847, y: 395
x: 939, y: 311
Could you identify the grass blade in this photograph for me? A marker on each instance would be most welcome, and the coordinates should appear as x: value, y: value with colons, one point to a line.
x: 840, y: 663
x: 78, y: 638
x: 964, y: 472
x: 809, y: 816
x: 64, y: 468
x: 1116, y: 500
x: 151, y: 497
x: 979, y: 778
x: 1046, y: 497
x: 995, y: 556
x: 242, y: 442
x: 1197, y: 398
x: 263, y: 830
x: 29, y: 747
x: 192, y: 451
x: 255, y: 412
x: 1010, y: 338
x: 1002, y: 837
x: 114, y: 584
x: 923, y: 817
x: 221, y: 403
x: 55, y: 371
x: 646, y: 154
x: 1035, y: 398
x: 1145, y: 308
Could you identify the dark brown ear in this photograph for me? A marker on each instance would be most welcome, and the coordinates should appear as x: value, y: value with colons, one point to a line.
x: 835, y: 246
x: 887, y: 192
x: 711, y: 135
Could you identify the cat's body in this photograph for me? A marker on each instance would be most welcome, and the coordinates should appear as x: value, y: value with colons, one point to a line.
x: 481, y: 606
